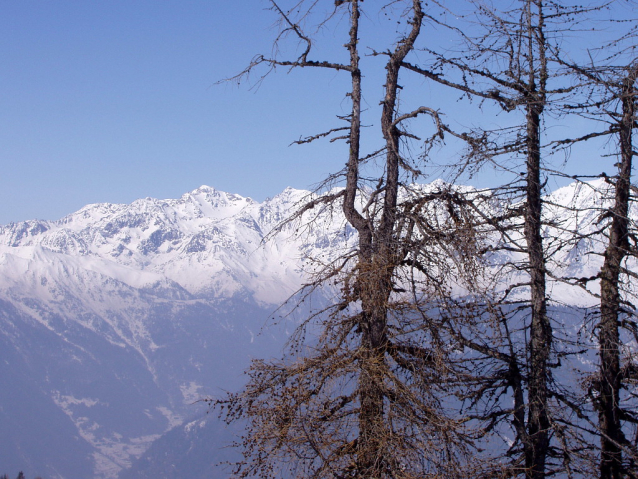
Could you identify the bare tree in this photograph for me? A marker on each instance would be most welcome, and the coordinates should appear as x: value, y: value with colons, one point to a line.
x: 422, y: 367
x: 616, y: 104
x: 610, y: 414
x: 514, y: 64
x: 370, y: 395
x: 612, y: 101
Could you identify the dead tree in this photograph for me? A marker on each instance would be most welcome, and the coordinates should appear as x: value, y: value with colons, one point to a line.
x: 616, y: 103
x: 612, y: 100
x: 515, y: 65
x: 369, y: 396
x: 610, y: 413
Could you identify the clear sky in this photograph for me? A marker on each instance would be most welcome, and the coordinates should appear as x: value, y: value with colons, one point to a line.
x: 110, y: 101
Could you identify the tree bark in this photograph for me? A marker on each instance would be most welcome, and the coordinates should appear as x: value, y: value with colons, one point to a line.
x: 377, y: 262
x: 540, y: 329
x: 540, y: 340
x: 609, y: 414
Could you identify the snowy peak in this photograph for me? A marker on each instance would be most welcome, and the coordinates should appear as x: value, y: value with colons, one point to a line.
x: 209, y: 202
x: 211, y: 243
x: 208, y: 242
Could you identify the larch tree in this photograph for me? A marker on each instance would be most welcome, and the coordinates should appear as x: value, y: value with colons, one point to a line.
x: 513, y: 59
x: 422, y: 366
x: 611, y: 387
x: 611, y: 100
x: 612, y: 310
x: 370, y: 396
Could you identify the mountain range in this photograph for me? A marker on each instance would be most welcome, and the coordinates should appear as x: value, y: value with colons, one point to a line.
x: 116, y: 320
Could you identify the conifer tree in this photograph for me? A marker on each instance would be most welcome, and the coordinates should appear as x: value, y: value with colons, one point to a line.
x: 368, y: 397
x: 423, y: 367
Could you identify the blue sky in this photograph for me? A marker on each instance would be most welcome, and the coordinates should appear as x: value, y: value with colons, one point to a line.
x: 116, y: 100
x: 110, y: 101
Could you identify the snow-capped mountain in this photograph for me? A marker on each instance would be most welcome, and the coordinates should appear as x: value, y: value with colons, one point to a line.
x: 208, y: 242
x: 115, y: 319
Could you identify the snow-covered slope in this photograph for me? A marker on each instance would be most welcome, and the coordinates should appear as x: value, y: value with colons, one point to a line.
x: 208, y: 242
x: 116, y: 318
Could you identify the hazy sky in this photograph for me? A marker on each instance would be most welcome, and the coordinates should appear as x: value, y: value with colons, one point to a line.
x: 110, y: 101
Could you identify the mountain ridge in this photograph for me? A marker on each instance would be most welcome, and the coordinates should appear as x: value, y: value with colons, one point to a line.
x: 120, y: 316
x: 152, y: 236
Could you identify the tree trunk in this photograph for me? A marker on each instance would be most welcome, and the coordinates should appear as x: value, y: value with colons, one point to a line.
x: 540, y: 329
x: 609, y: 414
x: 537, y: 440
x: 375, y: 281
